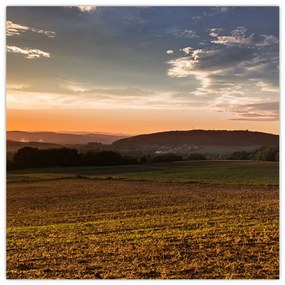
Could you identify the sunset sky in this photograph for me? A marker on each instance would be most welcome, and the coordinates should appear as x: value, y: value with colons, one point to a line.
x: 142, y: 69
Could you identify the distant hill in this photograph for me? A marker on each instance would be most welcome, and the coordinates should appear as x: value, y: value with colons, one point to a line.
x: 199, y: 137
x: 62, y: 138
x: 15, y: 145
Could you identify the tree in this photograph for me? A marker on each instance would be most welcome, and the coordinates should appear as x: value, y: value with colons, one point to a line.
x: 27, y: 157
x: 102, y: 158
x: 11, y: 165
x: 59, y: 157
x: 241, y: 155
x: 267, y: 154
x: 196, y: 156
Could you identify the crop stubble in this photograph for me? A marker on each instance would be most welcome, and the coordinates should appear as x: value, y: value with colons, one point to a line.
x: 141, y: 229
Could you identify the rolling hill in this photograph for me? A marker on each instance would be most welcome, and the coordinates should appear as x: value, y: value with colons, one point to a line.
x: 62, y: 138
x: 199, y: 137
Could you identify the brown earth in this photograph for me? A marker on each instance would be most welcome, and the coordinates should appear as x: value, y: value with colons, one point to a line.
x: 87, y: 229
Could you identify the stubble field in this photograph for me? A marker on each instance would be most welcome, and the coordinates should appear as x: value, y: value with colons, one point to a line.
x: 86, y: 228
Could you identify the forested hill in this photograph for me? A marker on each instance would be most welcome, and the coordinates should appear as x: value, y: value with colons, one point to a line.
x: 199, y: 137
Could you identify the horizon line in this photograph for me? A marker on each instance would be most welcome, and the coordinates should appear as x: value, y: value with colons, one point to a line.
x: 136, y: 134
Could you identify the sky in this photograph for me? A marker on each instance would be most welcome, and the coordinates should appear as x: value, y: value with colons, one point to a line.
x: 140, y: 69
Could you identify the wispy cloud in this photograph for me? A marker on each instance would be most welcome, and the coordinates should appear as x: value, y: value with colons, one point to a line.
x: 267, y: 87
x: 196, y: 19
x: 264, y: 111
x: 13, y: 87
x: 86, y: 9
x: 68, y: 94
x: 238, y: 37
x: 268, y: 40
x: 186, y: 33
x: 248, y: 108
x: 97, y: 98
x: 214, y: 11
x: 13, y: 29
x: 29, y: 53
x: 221, y: 9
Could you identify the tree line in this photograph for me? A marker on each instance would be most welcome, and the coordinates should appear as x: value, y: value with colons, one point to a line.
x: 29, y: 157
x: 264, y: 153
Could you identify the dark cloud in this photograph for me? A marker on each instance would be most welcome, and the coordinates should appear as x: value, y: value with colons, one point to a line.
x: 223, y: 58
x: 219, y: 67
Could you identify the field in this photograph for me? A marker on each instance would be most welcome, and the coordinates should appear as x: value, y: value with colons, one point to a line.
x: 193, y: 220
x: 217, y: 172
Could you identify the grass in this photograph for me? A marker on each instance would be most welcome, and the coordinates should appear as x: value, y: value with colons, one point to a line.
x: 102, y: 229
x: 226, y: 175
x: 214, y: 172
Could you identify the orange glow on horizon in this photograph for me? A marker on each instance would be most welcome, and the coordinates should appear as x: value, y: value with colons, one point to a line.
x: 127, y: 121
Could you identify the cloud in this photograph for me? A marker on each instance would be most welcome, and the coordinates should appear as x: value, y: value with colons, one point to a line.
x: 227, y: 70
x: 237, y: 68
x: 49, y: 34
x: 230, y: 40
x: 13, y: 29
x: 187, y: 33
x: 239, y: 31
x: 267, y: 87
x: 262, y: 68
x: 29, y: 53
x: 214, y: 32
x: 215, y: 11
x: 86, y: 9
x: 224, y: 9
x: 69, y: 94
x: 16, y: 86
x: 238, y: 37
x: 264, y: 111
x: 221, y: 9
x: 87, y: 89
x: 76, y: 87
x: 196, y: 19
x: 208, y: 60
x: 241, y: 64
x: 170, y: 51
x: 268, y: 40
x: 186, y: 50
x: 97, y: 97
x: 248, y: 108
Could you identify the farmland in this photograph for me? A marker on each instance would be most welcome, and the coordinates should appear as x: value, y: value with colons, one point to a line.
x: 193, y: 220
